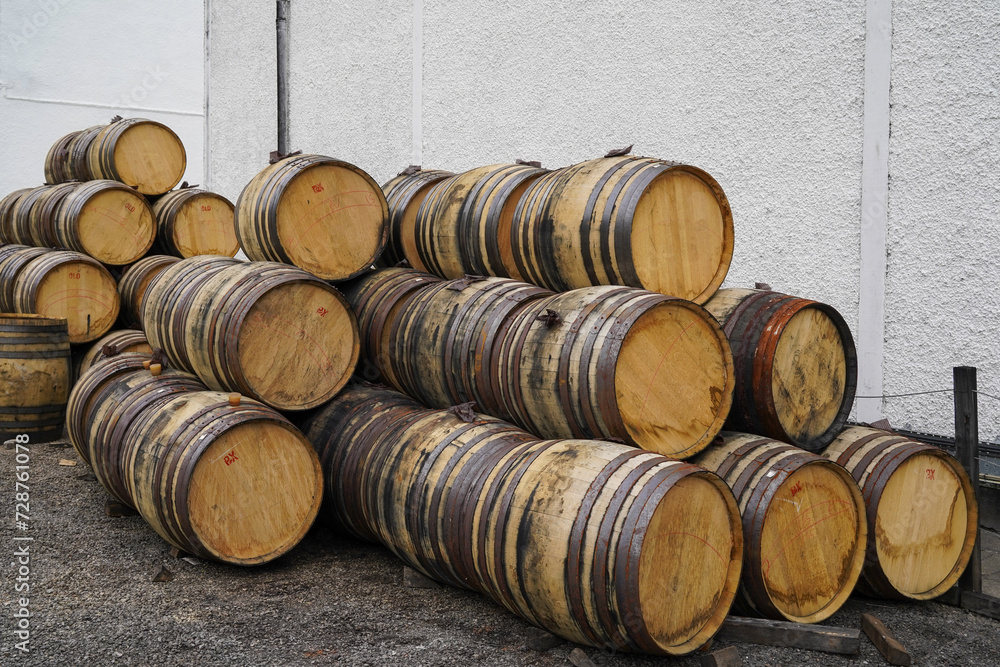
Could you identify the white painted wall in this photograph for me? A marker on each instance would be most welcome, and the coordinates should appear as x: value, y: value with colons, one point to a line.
x: 70, y: 64
x: 767, y: 95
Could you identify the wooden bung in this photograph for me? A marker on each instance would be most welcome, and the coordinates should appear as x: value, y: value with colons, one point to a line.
x: 796, y: 365
x: 803, y: 524
x: 404, y: 194
x: 922, y: 512
x: 34, y: 376
x: 318, y: 213
x: 155, y: 369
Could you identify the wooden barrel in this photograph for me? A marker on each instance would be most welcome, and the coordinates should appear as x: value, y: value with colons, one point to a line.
x: 87, y: 387
x: 264, y: 329
x: 599, y: 543
x: 7, y: 205
x: 461, y: 224
x: 796, y: 365
x: 71, y: 286
x: 114, y: 407
x: 320, y: 214
x: 109, y: 221
x: 114, y: 343
x: 404, y: 194
x: 922, y: 513
x: 42, y: 217
x: 20, y: 219
x: 34, y: 376
x: 616, y: 362
x: 79, y: 149
x: 13, y: 259
x: 662, y: 226
x: 134, y: 283
x: 57, y: 166
x: 376, y: 298
x: 140, y: 153
x: 193, y: 222
x: 244, y: 484
x: 803, y: 524
x: 440, y: 346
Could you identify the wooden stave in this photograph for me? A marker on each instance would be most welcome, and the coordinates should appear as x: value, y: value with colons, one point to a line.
x: 753, y: 328
x: 119, y: 341
x: 159, y: 463
x: 33, y: 348
x: 34, y: 273
x: 165, y: 210
x: 872, y: 457
x: 66, y: 223
x: 7, y: 204
x: 57, y: 166
x: 768, y: 465
x: 376, y: 299
x: 87, y: 386
x: 257, y: 206
x: 399, y: 194
x: 100, y: 155
x: 135, y: 281
x: 79, y: 148
x: 13, y: 259
x: 42, y: 217
x: 20, y: 216
x: 555, y: 410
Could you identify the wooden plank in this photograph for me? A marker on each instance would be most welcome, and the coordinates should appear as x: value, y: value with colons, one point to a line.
x: 794, y: 635
x: 883, y: 640
x: 984, y: 605
x: 725, y: 657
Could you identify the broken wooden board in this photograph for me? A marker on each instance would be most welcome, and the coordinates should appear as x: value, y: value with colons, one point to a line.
x: 887, y: 645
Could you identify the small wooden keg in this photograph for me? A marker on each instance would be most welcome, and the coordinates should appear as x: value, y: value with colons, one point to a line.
x: 134, y: 283
x: 140, y: 153
x: 796, y: 365
x: 662, y: 226
x: 318, y: 213
x: 244, y: 484
x: 193, y: 222
x: 803, y: 525
x: 115, y: 342
x: 109, y: 221
x: 404, y: 194
x: 72, y: 286
x: 34, y: 376
x: 57, y: 163
x: 7, y: 205
x: 13, y: 259
x: 922, y: 512
x: 616, y: 362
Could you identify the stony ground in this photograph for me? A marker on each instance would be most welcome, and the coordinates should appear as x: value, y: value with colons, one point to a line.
x: 330, y: 601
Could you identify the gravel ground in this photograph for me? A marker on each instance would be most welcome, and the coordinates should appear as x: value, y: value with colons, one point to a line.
x: 330, y: 601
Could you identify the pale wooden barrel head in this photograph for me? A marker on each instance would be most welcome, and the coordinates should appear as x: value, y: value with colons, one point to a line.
x: 82, y: 293
x: 689, y: 569
x: 330, y: 221
x: 254, y: 492
x: 674, y: 380
x: 682, y: 237
x: 809, y: 375
x: 150, y: 157
x: 309, y: 333
x: 922, y: 526
x: 205, y: 225
x: 812, y: 543
x: 116, y: 226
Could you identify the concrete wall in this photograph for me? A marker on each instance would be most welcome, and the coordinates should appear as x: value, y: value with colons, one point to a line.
x: 766, y: 95
x: 70, y: 64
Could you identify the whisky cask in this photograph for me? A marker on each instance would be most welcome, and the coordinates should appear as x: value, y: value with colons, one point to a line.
x: 803, y: 525
x: 796, y: 365
x: 140, y: 153
x: 7, y: 205
x: 13, y: 259
x: 233, y: 483
x: 79, y: 149
x: 71, y: 286
x: 109, y: 221
x: 20, y: 217
x: 193, y: 222
x: 57, y: 163
x: 318, y: 213
x: 404, y: 194
x: 42, y: 216
x: 34, y: 376
x: 114, y: 343
x: 616, y: 362
x: 922, y: 513
x: 661, y: 226
x: 134, y: 283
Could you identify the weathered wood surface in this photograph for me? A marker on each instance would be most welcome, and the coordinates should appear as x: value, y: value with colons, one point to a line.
x: 134, y: 283
x: 404, y: 194
x: 193, y: 222
x: 884, y: 641
x: 794, y: 635
x: 34, y: 376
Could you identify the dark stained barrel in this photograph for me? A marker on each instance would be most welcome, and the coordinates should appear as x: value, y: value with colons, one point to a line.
x: 7, y: 205
x: 57, y: 164
x: 20, y: 217
x: 135, y: 281
x: 13, y: 259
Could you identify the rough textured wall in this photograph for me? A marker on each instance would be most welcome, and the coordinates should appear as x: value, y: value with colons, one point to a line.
x: 88, y: 61
x: 942, y: 297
